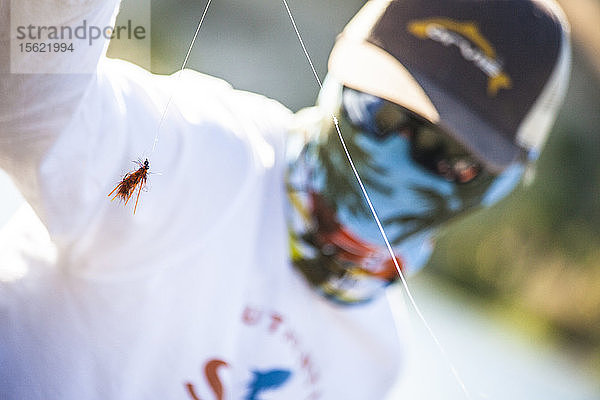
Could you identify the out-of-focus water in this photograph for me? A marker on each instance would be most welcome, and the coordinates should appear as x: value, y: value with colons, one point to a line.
x: 494, y: 360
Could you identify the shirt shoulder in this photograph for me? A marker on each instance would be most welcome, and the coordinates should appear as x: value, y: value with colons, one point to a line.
x: 196, y: 96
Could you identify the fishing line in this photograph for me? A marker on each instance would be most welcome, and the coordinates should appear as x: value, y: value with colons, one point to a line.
x: 136, y: 180
x: 376, y: 217
x: 178, y: 78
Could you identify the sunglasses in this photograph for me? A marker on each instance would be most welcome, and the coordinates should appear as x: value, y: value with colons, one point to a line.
x: 431, y: 148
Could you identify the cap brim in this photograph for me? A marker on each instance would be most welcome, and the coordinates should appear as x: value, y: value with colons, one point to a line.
x: 490, y: 145
x: 363, y: 66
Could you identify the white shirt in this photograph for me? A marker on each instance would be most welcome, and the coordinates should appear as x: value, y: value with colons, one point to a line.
x: 193, y: 297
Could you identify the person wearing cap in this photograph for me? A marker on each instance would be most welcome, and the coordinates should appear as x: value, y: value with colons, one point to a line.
x: 253, y: 268
x: 443, y: 107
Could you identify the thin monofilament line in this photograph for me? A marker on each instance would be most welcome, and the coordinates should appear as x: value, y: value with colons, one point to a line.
x: 377, y: 220
x: 312, y: 67
x: 177, y: 79
x: 402, y: 278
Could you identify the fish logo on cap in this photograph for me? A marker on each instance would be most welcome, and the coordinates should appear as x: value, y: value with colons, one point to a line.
x: 471, y: 43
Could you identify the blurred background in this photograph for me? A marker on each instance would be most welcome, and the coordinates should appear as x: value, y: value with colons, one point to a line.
x: 512, y: 292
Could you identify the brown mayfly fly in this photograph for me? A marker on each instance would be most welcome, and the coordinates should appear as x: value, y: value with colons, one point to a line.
x: 132, y: 181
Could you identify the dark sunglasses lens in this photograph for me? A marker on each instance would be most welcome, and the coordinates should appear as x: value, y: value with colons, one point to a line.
x: 372, y: 114
x: 433, y: 150
x: 442, y: 155
x: 391, y: 119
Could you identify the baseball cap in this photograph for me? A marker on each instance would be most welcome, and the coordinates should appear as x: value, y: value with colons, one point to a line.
x: 491, y: 73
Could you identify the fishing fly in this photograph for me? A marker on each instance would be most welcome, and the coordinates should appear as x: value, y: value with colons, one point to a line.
x: 130, y: 182
x: 137, y: 179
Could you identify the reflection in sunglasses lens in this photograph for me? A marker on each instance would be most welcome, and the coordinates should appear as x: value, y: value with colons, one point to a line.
x: 431, y: 148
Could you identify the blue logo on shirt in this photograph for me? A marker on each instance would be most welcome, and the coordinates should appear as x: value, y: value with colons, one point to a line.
x: 267, y: 380
x: 261, y: 381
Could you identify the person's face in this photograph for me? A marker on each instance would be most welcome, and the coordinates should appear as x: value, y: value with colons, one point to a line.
x: 416, y: 176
